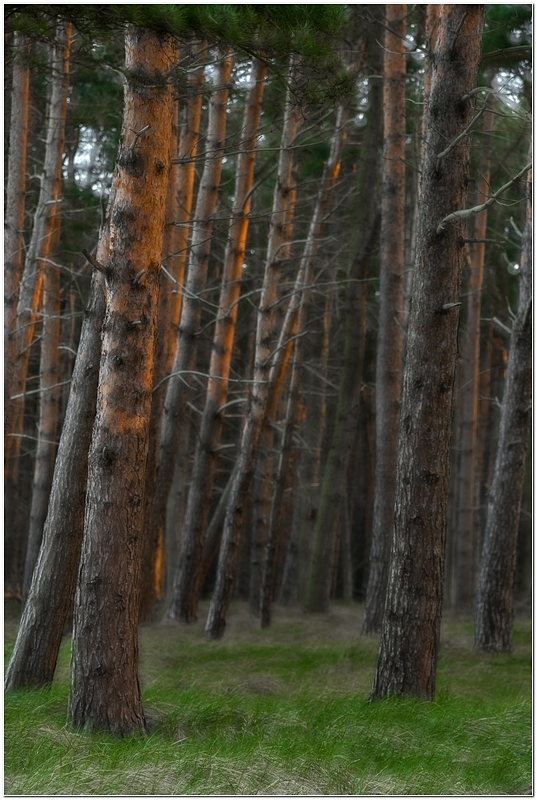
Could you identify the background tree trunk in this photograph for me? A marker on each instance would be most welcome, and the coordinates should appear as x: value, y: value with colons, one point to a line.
x: 390, y: 332
x: 495, y: 599
x: 190, y: 563
x: 253, y: 425
x: 410, y: 632
x: 105, y: 692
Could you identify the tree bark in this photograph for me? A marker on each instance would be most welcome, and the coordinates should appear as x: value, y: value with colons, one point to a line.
x: 39, y: 250
x: 253, y: 425
x: 179, y: 385
x: 179, y: 203
x: 301, y: 295
x: 190, y: 562
x: 105, y: 692
x: 495, y: 598
x: 390, y: 325
x: 410, y: 632
x: 14, y: 217
x: 464, y: 532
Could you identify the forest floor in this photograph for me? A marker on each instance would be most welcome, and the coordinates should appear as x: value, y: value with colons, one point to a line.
x: 285, y: 711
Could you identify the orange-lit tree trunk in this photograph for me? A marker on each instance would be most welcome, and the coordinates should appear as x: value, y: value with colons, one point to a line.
x: 299, y: 301
x: 14, y: 216
x: 464, y: 531
x: 411, y: 626
x: 185, y: 357
x: 185, y: 139
x: 253, y: 424
x: 390, y: 325
x: 105, y: 692
x: 190, y: 562
x: 39, y: 249
x: 495, y: 597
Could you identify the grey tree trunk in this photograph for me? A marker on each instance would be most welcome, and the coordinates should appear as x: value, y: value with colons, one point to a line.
x: 495, y: 598
x: 410, y: 631
x: 390, y: 326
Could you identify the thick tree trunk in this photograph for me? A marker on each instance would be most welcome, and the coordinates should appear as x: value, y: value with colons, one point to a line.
x: 14, y: 217
x: 464, y: 531
x: 179, y: 385
x: 390, y: 326
x: 301, y: 297
x: 190, y: 563
x: 410, y: 632
x: 495, y: 598
x: 253, y: 425
x: 40, y: 247
x: 105, y: 692
x: 179, y: 203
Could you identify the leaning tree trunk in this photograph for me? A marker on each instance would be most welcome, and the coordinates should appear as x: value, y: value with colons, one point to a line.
x: 464, y: 530
x: 411, y: 627
x: 495, y: 597
x: 253, y: 425
x: 105, y: 692
x: 39, y: 250
x: 52, y: 590
x: 200, y: 248
x: 190, y: 561
x: 390, y: 327
x: 15, y: 197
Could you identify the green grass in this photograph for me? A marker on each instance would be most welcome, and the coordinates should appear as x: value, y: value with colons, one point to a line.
x: 285, y: 711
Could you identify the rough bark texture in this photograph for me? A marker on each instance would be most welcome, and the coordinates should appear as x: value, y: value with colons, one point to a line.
x: 253, y: 425
x: 179, y: 385
x: 190, y: 563
x: 15, y: 196
x: 105, y: 693
x: 495, y: 599
x: 464, y: 532
x: 410, y: 632
x: 390, y: 325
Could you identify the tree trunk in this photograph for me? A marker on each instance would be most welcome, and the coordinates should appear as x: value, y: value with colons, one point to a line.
x: 301, y: 296
x: 14, y: 217
x: 390, y: 326
x: 253, y: 425
x: 495, y: 598
x: 179, y: 204
x: 39, y: 250
x: 48, y: 419
x: 190, y: 563
x: 464, y: 531
x: 50, y: 599
x: 410, y: 632
x: 179, y: 385
x: 105, y: 692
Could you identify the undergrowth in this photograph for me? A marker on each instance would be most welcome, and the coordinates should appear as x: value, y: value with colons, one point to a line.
x: 285, y: 710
